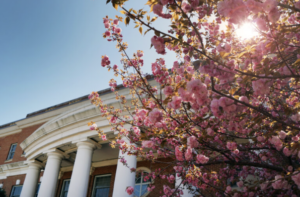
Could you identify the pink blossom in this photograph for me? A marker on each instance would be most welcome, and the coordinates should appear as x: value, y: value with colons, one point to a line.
x: 179, y: 154
x: 175, y: 103
x: 116, y: 22
x: 176, y: 64
x: 268, y: 5
x: 297, y: 5
x: 118, y: 30
x: 140, y: 53
x: 164, y: 2
x: 228, y: 189
x: 274, y: 15
x: 196, y: 86
x: 210, y: 132
x: 103, y: 137
x: 240, y: 184
x: 192, y: 142
x: 227, y: 48
x: 129, y: 190
x: 231, y: 145
x: 178, y: 169
x: 254, y: 6
x: 158, y: 44
x: 168, y: 90
x: 93, y: 126
x: 262, y: 25
x: 280, y: 183
x: 115, y: 67
x: 113, y: 119
x: 236, y: 10
x: 194, y: 3
x: 188, y: 154
x: 186, y: 7
x: 287, y: 152
x: 296, y: 178
x: 147, y: 144
x: 106, y: 25
x: 157, y: 9
x: 107, y: 33
x: 202, y: 159
x: 105, y: 20
x: 282, y: 135
x: 244, y: 99
x: 105, y: 61
x: 155, y: 115
x: 263, y: 186
x: 137, y: 131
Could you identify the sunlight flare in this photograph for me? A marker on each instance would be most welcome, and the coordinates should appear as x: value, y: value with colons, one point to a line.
x: 246, y: 31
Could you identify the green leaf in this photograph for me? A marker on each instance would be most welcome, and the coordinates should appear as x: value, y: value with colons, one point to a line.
x: 141, y: 30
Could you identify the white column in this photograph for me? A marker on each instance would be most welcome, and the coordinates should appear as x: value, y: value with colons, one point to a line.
x: 31, y: 179
x: 50, y: 177
x: 81, y: 171
x: 124, y: 177
x: 184, y: 189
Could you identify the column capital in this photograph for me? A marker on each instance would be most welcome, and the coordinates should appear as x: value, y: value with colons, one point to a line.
x: 87, y: 143
x: 34, y: 163
x: 55, y: 153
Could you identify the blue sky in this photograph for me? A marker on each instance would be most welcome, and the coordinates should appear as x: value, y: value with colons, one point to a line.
x: 50, y: 52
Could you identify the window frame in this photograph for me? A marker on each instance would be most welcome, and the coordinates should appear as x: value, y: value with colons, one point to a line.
x: 95, y: 177
x: 62, y: 187
x: 14, y: 186
x: 144, y: 169
x: 10, y: 151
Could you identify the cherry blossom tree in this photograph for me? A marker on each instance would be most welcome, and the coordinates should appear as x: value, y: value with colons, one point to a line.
x: 228, y: 109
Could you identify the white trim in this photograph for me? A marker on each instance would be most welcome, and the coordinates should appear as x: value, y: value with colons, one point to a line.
x: 13, y: 169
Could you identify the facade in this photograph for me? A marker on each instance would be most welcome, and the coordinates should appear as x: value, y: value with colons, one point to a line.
x: 53, y: 153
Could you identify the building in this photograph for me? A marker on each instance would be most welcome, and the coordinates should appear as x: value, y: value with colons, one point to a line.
x: 53, y: 153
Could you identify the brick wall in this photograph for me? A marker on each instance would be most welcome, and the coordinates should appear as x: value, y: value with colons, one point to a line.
x: 112, y: 170
x: 5, y: 143
x: 10, y: 181
x: 159, y: 183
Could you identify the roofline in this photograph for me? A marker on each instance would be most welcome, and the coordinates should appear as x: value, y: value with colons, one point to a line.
x: 64, y: 104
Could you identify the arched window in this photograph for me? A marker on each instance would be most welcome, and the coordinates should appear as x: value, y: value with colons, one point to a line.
x: 141, y: 182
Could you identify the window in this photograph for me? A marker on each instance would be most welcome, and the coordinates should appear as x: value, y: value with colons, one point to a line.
x: 16, y: 191
x: 141, y: 183
x: 12, y: 151
x: 101, y: 186
x: 37, y: 190
x: 65, y: 188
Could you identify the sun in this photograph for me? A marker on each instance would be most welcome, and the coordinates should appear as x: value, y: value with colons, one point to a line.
x: 246, y: 31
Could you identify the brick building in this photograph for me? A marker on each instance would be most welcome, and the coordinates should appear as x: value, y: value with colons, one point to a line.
x: 52, y: 153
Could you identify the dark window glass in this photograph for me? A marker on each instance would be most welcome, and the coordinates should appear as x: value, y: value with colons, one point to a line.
x: 16, y: 191
x: 101, y: 186
x: 65, y: 188
x: 37, y: 190
x: 12, y: 151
